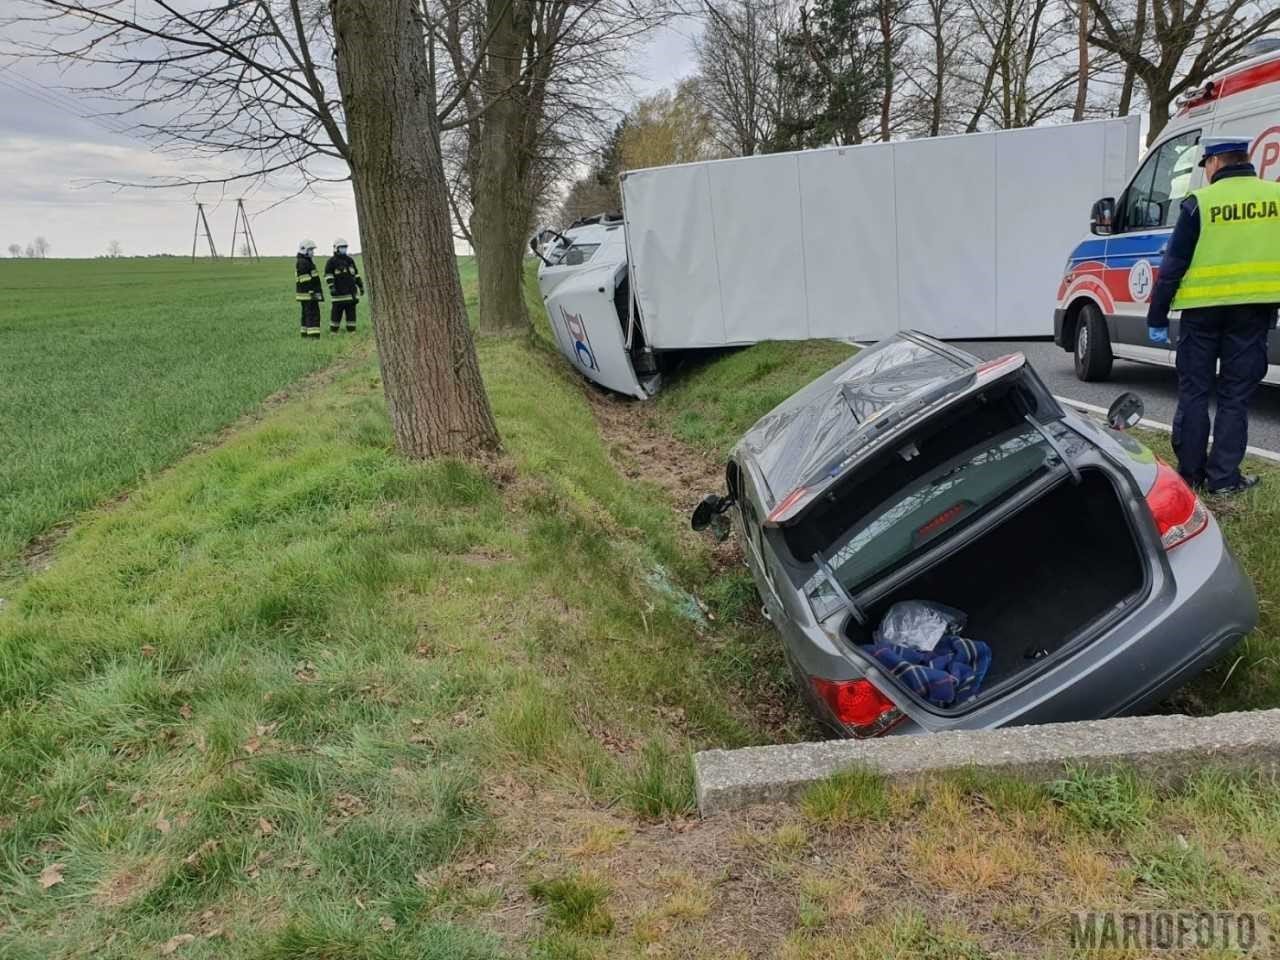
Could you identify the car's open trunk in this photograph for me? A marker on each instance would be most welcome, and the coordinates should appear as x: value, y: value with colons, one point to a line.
x: 1035, y: 583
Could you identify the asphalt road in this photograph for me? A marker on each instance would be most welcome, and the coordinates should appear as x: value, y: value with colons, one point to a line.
x: 1156, y: 385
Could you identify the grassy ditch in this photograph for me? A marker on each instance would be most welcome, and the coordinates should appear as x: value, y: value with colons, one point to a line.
x: 260, y: 708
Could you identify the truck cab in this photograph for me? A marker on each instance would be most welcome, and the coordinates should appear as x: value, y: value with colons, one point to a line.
x: 584, y: 242
x: 1108, y: 278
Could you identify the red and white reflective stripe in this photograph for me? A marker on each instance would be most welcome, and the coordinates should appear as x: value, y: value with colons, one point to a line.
x: 1234, y: 83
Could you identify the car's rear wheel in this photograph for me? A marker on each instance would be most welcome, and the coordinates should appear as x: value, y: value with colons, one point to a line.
x: 1093, y: 356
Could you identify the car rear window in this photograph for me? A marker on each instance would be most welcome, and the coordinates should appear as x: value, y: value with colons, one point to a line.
x: 936, y: 503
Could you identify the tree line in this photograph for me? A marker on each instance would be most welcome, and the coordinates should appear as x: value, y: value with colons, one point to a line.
x: 776, y: 75
x: 37, y: 249
x: 470, y: 117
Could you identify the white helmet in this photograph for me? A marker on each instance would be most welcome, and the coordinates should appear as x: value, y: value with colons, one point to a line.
x: 339, y: 244
x: 306, y: 246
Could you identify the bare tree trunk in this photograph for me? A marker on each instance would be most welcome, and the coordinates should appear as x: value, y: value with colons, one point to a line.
x: 430, y: 374
x: 1158, y: 111
x: 1082, y: 76
x: 1130, y: 75
x: 499, y: 244
x: 939, y: 67
x: 886, y: 67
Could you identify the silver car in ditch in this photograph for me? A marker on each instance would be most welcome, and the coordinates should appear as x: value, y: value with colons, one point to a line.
x: 1095, y: 577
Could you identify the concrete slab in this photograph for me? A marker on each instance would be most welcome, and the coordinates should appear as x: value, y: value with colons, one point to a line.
x: 1166, y: 748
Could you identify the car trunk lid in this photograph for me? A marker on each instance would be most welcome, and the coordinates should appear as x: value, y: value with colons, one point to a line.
x: 879, y: 430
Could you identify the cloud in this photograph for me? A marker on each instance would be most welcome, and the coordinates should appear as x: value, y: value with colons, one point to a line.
x: 53, y: 162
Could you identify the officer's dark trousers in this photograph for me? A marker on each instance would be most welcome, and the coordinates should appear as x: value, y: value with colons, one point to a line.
x: 310, y: 318
x: 1222, y: 353
x: 343, y: 309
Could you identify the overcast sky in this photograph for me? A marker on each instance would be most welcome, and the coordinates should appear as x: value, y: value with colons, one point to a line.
x: 50, y: 158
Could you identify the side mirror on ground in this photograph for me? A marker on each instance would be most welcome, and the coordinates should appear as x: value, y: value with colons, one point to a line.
x: 712, y: 506
x: 1102, y: 216
x: 533, y: 244
x: 1126, y: 411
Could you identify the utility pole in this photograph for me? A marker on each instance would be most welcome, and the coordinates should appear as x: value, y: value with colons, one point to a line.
x: 250, y: 245
x: 201, y: 220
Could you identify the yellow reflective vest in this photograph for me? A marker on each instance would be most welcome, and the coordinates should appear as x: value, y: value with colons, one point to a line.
x: 1237, y: 258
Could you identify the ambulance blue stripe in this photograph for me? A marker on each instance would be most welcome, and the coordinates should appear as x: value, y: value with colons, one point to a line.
x: 1090, y: 250
x: 1137, y: 244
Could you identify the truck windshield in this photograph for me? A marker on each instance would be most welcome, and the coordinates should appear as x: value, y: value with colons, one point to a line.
x: 930, y: 508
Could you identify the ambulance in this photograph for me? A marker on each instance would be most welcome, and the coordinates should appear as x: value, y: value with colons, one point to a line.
x: 1108, y: 279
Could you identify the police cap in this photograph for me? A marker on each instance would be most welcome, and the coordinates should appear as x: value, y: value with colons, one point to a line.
x: 1216, y: 146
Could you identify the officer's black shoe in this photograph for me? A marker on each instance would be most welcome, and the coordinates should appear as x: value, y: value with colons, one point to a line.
x: 333, y: 329
x: 351, y: 328
x: 1247, y: 482
x: 304, y: 333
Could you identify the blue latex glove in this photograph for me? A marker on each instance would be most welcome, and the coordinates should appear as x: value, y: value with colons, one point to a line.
x: 1158, y: 335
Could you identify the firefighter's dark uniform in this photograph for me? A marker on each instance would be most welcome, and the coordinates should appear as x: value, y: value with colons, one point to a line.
x: 309, y: 294
x: 1222, y: 270
x: 345, y: 290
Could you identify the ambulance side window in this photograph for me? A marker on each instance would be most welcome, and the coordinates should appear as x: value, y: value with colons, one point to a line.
x: 1154, y: 196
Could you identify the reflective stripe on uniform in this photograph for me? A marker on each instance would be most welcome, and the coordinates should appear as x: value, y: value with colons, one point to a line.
x: 1262, y: 290
x: 302, y: 296
x: 344, y: 298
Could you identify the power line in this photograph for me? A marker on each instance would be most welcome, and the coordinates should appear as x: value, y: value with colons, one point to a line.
x: 60, y: 101
x: 40, y: 96
x: 36, y: 86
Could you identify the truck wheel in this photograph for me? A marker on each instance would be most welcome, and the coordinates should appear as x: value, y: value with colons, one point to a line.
x: 1093, y: 345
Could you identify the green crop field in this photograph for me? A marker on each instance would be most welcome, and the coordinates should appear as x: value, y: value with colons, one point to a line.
x: 111, y: 369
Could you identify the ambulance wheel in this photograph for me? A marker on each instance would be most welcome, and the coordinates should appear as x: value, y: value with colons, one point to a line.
x: 1093, y: 345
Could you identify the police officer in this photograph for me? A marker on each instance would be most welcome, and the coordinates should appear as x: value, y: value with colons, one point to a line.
x: 308, y: 291
x: 1222, y: 270
x: 344, y: 281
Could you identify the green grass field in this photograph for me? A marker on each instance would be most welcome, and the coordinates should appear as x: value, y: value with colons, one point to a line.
x: 296, y: 698
x: 112, y: 369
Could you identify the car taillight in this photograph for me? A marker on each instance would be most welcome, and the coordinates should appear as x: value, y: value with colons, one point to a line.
x: 859, y: 706
x: 1177, y: 511
x: 788, y: 505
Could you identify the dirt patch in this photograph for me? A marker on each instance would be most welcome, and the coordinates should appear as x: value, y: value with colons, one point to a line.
x: 742, y: 886
x: 129, y: 882
x: 37, y: 556
x: 642, y: 450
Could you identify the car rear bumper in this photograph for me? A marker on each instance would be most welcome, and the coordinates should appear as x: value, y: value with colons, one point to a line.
x: 1060, y: 336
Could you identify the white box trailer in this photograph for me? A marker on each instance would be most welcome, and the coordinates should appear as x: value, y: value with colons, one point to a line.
x: 960, y: 237
x: 957, y: 236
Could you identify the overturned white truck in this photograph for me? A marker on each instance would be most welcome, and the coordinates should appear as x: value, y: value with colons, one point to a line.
x: 960, y: 237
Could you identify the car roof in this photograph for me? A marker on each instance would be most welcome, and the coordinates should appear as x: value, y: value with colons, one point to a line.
x: 827, y: 421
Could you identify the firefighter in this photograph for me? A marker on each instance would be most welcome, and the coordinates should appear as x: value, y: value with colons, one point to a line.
x: 1222, y: 271
x: 345, y: 287
x: 308, y: 292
